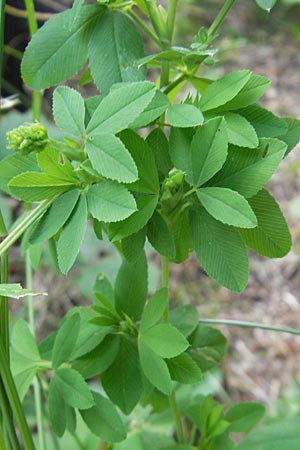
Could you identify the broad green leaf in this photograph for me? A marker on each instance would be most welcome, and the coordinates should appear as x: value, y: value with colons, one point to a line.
x: 77, y: 5
x: 181, y: 232
x: 283, y: 435
x: 68, y: 110
x: 13, y: 165
x: 240, y: 131
x: 73, y: 388
x: 131, y: 287
x: 271, y: 237
x: 110, y: 158
x: 244, y: 416
x: 145, y: 162
x: 222, y: 253
x: 15, y: 290
x: 103, y: 420
x: 133, y: 245
x: 110, y: 202
x: 159, y: 144
x: 65, y: 340
x: 154, y: 110
x: 113, y: 49
x: 103, y: 292
x: 183, y: 369
x: 71, y: 419
x: 154, y: 309
x: 155, y: 369
x: 122, y: 381
x: 72, y: 235
x: 208, y: 150
x: 182, y: 115
x: 57, y: 407
x: 267, y: 5
x: 227, y: 206
x: 224, y: 89
x: 56, y: 165
x: 47, y: 58
x: 145, y: 208
x: 180, y: 150
x: 121, y: 107
x: 55, y: 217
x: 247, y: 170
x: 265, y: 123
x: 99, y: 359
x: 209, y: 341
x: 184, y: 318
x: 23, y: 341
x: 292, y: 135
x: 160, y: 237
x: 34, y: 186
x: 164, y: 340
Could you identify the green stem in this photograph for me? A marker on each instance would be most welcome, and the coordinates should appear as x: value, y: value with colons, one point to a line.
x: 14, y: 401
x: 9, y: 431
x: 21, y: 228
x: 171, y: 18
x: 2, y: 14
x: 164, y: 74
x: 144, y: 27
x: 4, y: 314
x: 238, y: 323
x: 174, y: 84
x: 176, y: 415
x: 165, y: 283
x: 156, y: 21
x: 220, y: 17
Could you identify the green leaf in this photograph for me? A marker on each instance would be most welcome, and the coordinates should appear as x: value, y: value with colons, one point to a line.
x: 222, y: 253
x: 181, y: 232
x: 184, y: 318
x: 224, y: 89
x: 15, y: 290
x: 180, y: 150
x: 73, y: 388
x: 240, y: 131
x: 47, y: 59
x: 271, y: 237
x: 145, y: 162
x: 184, y: 116
x: 267, y: 5
x: 110, y: 158
x: 264, y: 122
x: 154, y: 309
x: 227, y: 206
x: 247, y: 170
x: 16, y: 164
x: 145, y: 208
x: 57, y: 407
x: 72, y: 235
x: 55, y: 217
x: 110, y: 202
x: 103, y: 292
x: 56, y: 165
x: 208, y: 150
x: 155, y: 368
x: 278, y: 436
x: 65, y: 340
x: 183, y: 369
x: 122, y: 381
x: 133, y: 245
x: 68, y: 110
x: 71, y: 419
x: 154, y: 110
x: 164, y: 340
x: 209, y: 341
x: 121, y: 107
x: 131, y: 287
x: 113, y: 50
x: 292, y: 135
x: 159, y: 144
x: 103, y: 420
x: 244, y: 416
x: 34, y: 186
x: 160, y: 237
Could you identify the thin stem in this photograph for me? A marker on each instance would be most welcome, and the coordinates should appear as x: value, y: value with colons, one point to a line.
x: 4, y: 314
x: 14, y: 401
x: 220, y: 17
x: 238, y: 323
x: 171, y: 18
x: 174, y: 84
x: 144, y: 27
x: 176, y: 415
x: 22, y: 227
x: 164, y: 74
x: 165, y: 283
x: 9, y: 430
x: 16, y: 12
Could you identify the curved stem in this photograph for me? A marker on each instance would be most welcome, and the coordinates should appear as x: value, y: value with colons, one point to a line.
x: 9, y: 432
x: 165, y: 283
x: 176, y: 415
x: 220, y: 17
x: 240, y: 323
x: 144, y: 27
x: 171, y: 17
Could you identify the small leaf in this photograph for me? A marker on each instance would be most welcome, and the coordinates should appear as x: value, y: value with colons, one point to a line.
x: 184, y: 116
x: 103, y: 420
x: 209, y: 341
x: 15, y: 290
x: 267, y: 5
x: 164, y: 340
x: 65, y: 340
x: 133, y: 245
x: 110, y: 202
x: 68, y: 110
x: 160, y: 237
x: 72, y: 235
x: 153, y: 111
x: 110, y: 158
x: 244, y: 416
x: 159, y: 145
x: 56, y: 403
x: 180, y: 150
x: 265, y: 123
x: 56, y: 165
x: 184, y: 318
x: 181, y: 232
x: 240, y: 131
x: 271, y: 237
x: 154, y: 309
x: 73, y: 388
x: 227, y: 206
x: 183, y: 369
x: 16, y: 164
x: 224, y: 89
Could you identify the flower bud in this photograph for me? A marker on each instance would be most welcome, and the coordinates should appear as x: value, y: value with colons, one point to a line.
x: 28, y: 138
